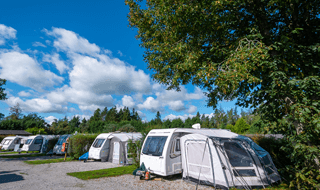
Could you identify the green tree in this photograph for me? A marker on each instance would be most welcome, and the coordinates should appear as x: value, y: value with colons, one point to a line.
x: 2, y: 94
x: 241, y: 126
x: 74, y: 124
x: 158, y: 118
x: 262, y: 53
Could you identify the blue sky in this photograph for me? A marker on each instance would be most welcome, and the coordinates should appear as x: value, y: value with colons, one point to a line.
x: 66, y: 58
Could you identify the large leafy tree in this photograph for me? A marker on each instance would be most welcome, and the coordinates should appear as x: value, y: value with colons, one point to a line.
x: 263, y: 53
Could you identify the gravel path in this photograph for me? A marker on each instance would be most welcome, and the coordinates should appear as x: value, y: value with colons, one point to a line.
x: 15, y: 174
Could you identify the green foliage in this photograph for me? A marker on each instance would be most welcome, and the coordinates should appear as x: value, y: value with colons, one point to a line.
x: 134, y: 149
x: 264, y: 54
x: 2, y: 94
x: 80, y: 144
x: 110, y: 172
x: 36, y: 130
x: 240, y: 127
x: 127, y: 128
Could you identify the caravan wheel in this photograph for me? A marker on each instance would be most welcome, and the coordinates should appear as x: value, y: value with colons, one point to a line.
x: 84, y: 161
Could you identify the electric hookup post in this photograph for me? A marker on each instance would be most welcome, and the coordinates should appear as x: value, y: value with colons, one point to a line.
x: 65, y: 148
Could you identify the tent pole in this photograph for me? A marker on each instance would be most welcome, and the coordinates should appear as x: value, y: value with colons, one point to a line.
x: 201, y: 163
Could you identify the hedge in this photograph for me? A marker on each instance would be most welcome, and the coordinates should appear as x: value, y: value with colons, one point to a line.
x: 80, y: 144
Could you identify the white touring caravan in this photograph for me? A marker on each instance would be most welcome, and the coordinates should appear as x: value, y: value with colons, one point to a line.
x: 58, y: 146
x: 37, y: 143
x: 112, y: 147
x: 236, y: 161
x: 10, y: 142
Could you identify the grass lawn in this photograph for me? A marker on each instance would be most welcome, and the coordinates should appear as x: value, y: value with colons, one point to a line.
x: 35, y: 162
x: 18, y: 152
x: 22, y: 156
x: 103, y: 173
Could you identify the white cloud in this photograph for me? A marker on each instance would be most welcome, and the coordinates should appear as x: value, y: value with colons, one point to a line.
x: 192, y: 109
x: 24, y: 94
x: 48, y: 42
x: 55, y: 59
x: 182, y: 117
x: 39, y: 105
x: 38, y: 44
x: 6, y: 33
x: 50, y: 119
x: 107, y: 76
x: 120, y: 53
x: 128, y: 101
x: 150, y: 104
x: 86, y: 100
x: 69, y: 41
x: 176, y: 105
x: 24, y: 70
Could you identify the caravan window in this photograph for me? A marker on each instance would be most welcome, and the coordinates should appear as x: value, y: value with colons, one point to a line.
x: 154, y: 145
x: 16, y: 141
x: 38, y: 141
x: 7, y: 142
x: 29, y: 141
x: 237, y: 155
x: 98, y: 143
x: 62, y: 140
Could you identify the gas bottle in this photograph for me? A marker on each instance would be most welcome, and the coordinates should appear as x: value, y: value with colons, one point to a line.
x: 147, y: 177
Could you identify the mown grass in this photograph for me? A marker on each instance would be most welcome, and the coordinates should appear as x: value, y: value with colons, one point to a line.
x: 18, y: 152
x: 110, y: 172
x: 35, y: 162
x: 22, y: 156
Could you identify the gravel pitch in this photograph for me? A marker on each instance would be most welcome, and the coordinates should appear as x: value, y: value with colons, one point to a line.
x: 15, y: 174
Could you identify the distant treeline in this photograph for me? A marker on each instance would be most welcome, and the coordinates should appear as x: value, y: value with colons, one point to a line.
x: 126, y: 120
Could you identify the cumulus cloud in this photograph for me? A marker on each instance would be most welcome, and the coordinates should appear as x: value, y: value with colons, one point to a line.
x: 6, y: 33
x: 150, y: 104
x: 50, y: 119
x: 24, y: 94
x: 55, y: 59
x: 107, y: 76
x: 182, y: 117
x: 86, y: 100
x: 38, y: 44
x: 128, y: 101
x: 192, y: 109
x: 39, y: 105
x: 69, y: 41
x: 22, y: 69
x: 176, y: 105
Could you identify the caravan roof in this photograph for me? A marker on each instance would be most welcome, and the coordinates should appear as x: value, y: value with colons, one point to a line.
x: 222, y: 133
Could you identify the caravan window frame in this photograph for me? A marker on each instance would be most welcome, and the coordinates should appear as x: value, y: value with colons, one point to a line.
x: 7, y: 142
x: 29, y: 141
x: 247, y: 171
x: 158, y: 146
x: 37, y: 141
x: 175, y: 149
x: 97, y: 143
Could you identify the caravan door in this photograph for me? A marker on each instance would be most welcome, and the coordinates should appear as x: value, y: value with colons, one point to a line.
x: 36, y: 144
x: 198, y: 161
x: 116, y: 153
x: 152, y: 154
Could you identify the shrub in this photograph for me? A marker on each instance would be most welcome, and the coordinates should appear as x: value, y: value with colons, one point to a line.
x: 279, y: 156
x: 80, y: 144
x: 134, y: 149
x: 110, y: 128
